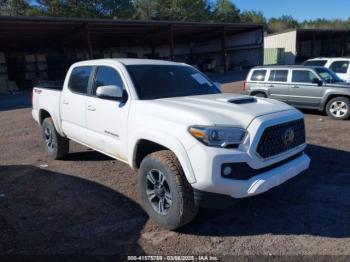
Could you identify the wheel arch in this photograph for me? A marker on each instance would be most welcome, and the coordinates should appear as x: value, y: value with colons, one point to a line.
x: 43, y: 113
x: 330, y: 97
x: 253, y: 93
x: 146, y: 144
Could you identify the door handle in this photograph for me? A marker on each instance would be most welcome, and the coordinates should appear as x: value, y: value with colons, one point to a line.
x: 65, y: 102
x: 295, y: 86
x: 91, y: 108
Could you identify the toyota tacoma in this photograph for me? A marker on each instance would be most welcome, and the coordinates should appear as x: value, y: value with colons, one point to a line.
x: 191, y: 144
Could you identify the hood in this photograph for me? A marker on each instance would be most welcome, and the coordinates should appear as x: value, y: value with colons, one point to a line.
x: 339, y: 84
x: 218, y: 109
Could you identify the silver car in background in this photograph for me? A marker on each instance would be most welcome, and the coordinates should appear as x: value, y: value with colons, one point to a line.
x: 311, y: 87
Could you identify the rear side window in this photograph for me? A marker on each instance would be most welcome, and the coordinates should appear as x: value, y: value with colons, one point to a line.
x: 278, y: 76
x: 315, y: 63
x: 79, y: 79
x: 258, y: 75
x: 107, y: 76
x: 303, y: 76
x: 340, y: 67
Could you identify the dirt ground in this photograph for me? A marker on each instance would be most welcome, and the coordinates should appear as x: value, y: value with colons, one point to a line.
x: 87, y: 203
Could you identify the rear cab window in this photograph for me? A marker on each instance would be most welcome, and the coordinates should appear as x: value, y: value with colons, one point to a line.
x: 340, y: 67
x: 258, y: 75
x: 315, y: 63
x: 278, y: 75
x: 79, y: 79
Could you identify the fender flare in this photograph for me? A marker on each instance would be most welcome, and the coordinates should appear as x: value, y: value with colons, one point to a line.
x: 166, y: 140
x: 54, y: 119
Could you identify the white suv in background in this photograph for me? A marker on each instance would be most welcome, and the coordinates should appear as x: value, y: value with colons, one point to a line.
x: 338, y: 65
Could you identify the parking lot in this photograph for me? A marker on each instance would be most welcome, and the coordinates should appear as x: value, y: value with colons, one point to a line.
x: 87, y: 203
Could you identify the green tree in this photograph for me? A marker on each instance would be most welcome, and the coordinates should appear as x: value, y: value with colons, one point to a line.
x: 13, y: 7
x: 225, y: 11
x: 182, y: 10
x: 118, y: 9
x: 281, y: 24
x: 146, y: 9
x: 325, y: 24
x: 253, y: 17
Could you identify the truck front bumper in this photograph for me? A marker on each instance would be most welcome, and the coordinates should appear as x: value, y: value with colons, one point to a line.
x: 209, y: 178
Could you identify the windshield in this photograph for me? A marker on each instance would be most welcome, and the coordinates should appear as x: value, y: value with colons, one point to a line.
x: 315, y: 63
x: 328, y: 75
x: 161, y: 81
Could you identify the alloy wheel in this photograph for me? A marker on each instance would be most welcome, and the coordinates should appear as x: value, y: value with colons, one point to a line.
x: 158, y: 192
x: 49, y: 139
x: 338, y: 108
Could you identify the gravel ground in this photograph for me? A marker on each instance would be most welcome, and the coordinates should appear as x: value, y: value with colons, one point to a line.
x: 87, y: 203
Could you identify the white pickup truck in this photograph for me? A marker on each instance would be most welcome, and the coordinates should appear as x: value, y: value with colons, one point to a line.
x: 191, y: 144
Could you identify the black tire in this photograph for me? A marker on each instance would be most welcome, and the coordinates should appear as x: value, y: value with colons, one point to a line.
x: 55, y: 145
x: 260, y: 95
x: 182, y: 208
x: 338, y: 108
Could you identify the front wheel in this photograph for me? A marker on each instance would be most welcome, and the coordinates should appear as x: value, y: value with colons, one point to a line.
x: 55, y: 145
x: 338, y: 108
x: 164, y: 190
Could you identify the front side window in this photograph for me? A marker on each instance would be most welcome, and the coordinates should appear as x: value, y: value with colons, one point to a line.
x: 278, y: 76
x: 258, y: 75
x: 303, y: 76
x: 315, y: 63
x: 107, y: 76
x: 79, y: 79
x: 340, y: 67
x: 161, y: 81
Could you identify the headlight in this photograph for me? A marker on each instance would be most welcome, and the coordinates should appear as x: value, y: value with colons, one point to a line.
x: 218, y: 136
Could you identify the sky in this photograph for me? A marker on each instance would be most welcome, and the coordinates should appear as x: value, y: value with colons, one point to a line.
x: 299, y: 9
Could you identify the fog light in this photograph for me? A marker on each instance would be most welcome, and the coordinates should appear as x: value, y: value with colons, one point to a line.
x: 227, y: 171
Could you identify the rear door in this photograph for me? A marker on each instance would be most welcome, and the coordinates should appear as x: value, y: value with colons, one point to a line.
x: 73, y: 103
x: 341, y: 68
x: 107, y: 119
x: 303, y: 91
x: 277, y: 85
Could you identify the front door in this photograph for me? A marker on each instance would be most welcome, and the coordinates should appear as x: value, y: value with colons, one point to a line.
x: 107, y: 119
x: 73, y: 104
x: 303, y: 90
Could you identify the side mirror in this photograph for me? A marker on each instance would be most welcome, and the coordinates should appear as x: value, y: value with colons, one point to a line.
x: 317, y: 81
x: 218, y: 85
x: 109, y: 92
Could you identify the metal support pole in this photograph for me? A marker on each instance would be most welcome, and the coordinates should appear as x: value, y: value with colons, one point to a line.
x: 88, y: 41
x: 223, y: 50
x: 171, y: 43
x: 313, y: 40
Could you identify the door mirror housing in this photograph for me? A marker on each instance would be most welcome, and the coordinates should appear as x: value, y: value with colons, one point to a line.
x: 217, y: 85
x: 318, y: 81
x: 109, y: 92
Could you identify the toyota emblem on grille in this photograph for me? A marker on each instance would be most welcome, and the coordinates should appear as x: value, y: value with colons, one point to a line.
x: 288, y: 137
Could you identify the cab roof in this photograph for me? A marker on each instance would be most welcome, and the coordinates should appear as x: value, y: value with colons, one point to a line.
x: 129, y: 61
x: 286, y: 67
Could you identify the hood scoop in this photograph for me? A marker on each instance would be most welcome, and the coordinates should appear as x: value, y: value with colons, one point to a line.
x: 239, y: 100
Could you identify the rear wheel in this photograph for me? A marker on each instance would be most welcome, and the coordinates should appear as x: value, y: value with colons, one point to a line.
x: 260, y: 95
x: 338, y: 108
x: 164, y: 190
x: 55, y: 145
